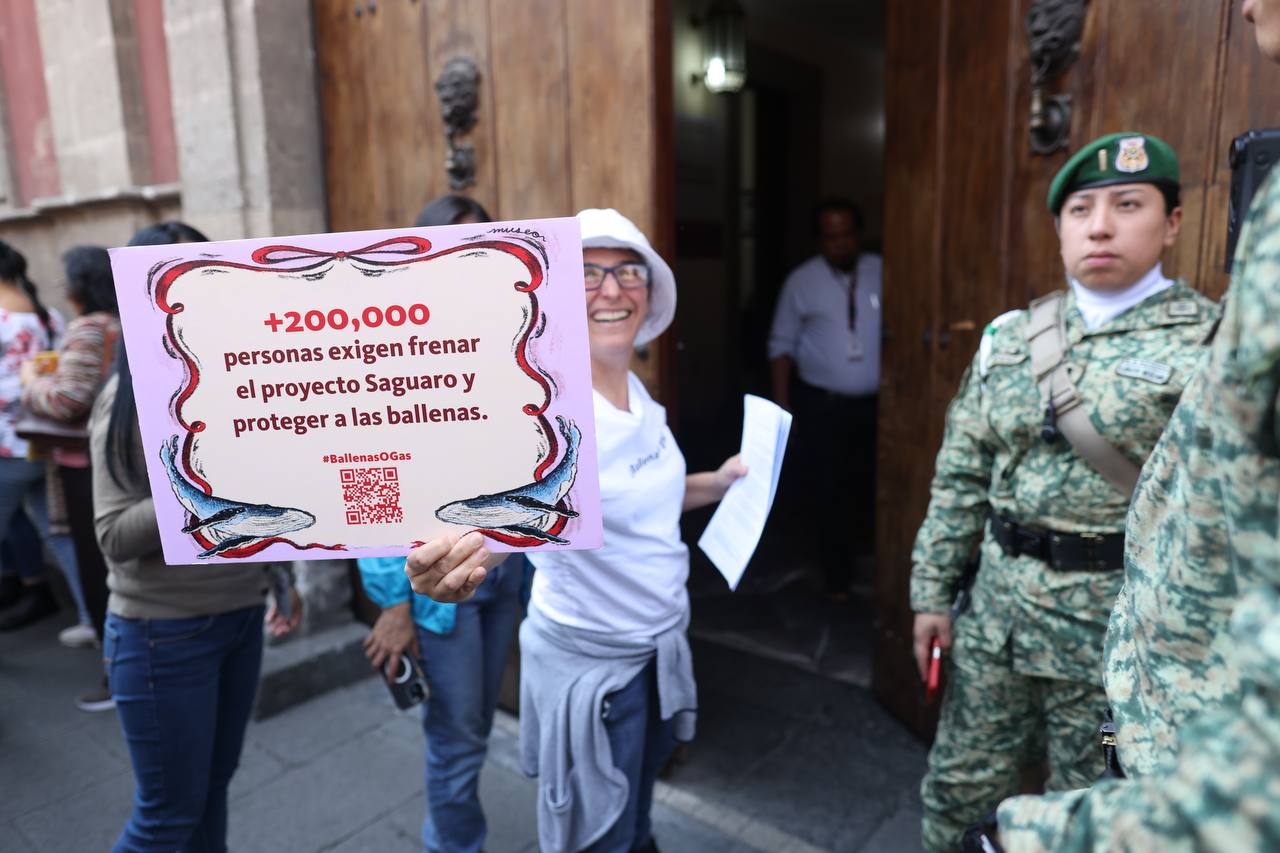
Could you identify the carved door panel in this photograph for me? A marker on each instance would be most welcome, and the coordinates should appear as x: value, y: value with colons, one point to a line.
x: 573, y: 110
x: 967, y: 235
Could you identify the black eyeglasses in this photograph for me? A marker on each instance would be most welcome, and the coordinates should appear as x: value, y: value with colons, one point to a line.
x: 630, y: 275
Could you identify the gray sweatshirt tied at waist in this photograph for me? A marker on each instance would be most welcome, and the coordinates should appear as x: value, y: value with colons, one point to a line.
x: 566, y: 674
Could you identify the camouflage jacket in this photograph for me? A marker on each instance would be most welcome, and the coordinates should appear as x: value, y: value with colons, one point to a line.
x: 1130, y: 373
x: 1205, y: 706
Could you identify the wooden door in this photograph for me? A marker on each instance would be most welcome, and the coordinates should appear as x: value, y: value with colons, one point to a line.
x: 574, y: 111
x: 967, y: 235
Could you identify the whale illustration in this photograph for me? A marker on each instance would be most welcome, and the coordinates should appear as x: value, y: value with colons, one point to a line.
x: 528, y: 510
x: 230, y: 524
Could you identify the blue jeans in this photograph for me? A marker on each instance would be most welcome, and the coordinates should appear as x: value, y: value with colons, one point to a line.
x: 64, y: 554
x: 21, y: 548
x: 184, y: 689
x: 24, y: 522
x: 641, y: 742
x: 20, y: 551
x: 22, y: 488
x: 464, y: 673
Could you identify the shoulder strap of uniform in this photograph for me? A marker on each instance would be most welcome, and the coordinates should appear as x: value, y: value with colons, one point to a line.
x: 1046, y: 333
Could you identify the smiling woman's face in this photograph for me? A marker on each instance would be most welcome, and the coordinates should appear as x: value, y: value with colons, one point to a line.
x: 1113, y: 236
x: 614, y: 315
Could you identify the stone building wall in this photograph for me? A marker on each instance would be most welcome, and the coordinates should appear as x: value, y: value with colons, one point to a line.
x: 243, y: 113
x: 243, y: 109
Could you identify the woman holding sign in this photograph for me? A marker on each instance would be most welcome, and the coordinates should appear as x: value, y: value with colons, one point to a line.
x: 606, y: 673
x: 182, y: 646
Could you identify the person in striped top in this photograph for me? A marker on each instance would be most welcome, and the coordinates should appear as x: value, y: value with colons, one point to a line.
x: 67, y: 395
x: 26, y: 328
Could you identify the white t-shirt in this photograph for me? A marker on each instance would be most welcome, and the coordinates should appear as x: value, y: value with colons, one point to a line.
x: 635, y: 584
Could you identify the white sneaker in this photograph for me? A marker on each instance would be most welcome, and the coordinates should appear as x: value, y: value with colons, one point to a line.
x: 96, y: 699
x: 78, y: 637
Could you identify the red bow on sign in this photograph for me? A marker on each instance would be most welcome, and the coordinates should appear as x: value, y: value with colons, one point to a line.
x: 403, y: 250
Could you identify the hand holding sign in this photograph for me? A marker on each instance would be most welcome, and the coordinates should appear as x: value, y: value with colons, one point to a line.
x: 449, y: 569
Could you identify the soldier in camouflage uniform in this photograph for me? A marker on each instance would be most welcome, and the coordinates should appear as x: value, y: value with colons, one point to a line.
x: 1026, y: 663
x: 1193, y: 652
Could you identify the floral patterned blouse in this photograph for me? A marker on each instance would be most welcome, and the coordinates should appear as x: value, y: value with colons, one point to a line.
x: 21, y: 336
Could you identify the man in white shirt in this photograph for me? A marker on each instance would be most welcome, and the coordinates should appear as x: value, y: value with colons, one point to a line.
x: 824, y: 350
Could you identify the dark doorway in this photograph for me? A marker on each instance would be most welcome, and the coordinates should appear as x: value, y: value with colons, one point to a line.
x: 749, y: 168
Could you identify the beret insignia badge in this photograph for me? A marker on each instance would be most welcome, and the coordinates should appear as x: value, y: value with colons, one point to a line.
x: 1132, y: 157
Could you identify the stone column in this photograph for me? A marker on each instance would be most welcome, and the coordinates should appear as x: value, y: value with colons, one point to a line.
x: 8, y: 181
x: 325, y: 588
x: 246, y: 116
x: 243, y: 79
x: 95, y: 104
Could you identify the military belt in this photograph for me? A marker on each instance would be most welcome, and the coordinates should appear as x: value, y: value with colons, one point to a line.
x: 1065, y: 552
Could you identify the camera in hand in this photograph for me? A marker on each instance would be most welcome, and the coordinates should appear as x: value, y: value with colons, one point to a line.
x: 409, y: 686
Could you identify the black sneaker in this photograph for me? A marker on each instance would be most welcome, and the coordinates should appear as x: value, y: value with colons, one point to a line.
x: 35, y: 603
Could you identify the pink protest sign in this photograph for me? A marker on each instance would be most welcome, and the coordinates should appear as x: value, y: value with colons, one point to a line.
x: 349, y: 395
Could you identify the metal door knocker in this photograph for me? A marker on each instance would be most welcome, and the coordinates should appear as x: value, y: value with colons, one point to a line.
x: 1054, y: 28
x: 458, y: 88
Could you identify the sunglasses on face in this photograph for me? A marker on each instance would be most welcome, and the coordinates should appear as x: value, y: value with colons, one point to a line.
x: 631, y: 275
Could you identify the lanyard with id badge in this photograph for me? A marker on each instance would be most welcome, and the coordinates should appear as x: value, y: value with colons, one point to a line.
x: 855, y: 345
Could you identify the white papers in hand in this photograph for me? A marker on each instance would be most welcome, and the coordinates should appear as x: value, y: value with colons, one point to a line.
x: 734, y: 531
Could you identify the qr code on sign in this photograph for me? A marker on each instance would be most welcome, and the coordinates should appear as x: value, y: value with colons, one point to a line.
x: 372, y: 495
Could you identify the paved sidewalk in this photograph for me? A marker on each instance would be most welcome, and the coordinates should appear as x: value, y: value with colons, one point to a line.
x: 784, y: 762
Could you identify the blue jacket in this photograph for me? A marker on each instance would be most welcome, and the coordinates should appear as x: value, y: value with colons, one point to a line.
x: 387, y: 585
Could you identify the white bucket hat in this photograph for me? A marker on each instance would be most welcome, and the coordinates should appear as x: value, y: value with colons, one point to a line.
x: 606, y: 228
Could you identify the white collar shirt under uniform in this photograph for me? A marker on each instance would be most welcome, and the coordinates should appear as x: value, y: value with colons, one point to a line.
x: 1099, y: 307
x: 811, y: 324
x: 635, y: 584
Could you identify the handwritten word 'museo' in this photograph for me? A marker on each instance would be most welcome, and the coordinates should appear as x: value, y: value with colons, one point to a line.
x: 337, y: 319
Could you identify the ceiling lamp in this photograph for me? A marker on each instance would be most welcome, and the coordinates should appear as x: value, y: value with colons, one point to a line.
x: 725, y: 47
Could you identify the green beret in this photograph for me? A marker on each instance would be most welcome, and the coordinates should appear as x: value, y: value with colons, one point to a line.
x: 1117, y: 158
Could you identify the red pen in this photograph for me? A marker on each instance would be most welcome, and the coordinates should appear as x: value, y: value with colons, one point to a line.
x: 935, y: 671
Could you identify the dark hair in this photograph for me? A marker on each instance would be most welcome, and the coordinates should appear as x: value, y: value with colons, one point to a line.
x: 449, y: 209
x: 1172, y: 196
x: 164, y: 233
x: 13, y: 267
x: 835, y: 204
x: 121, y: 464
x: 89, y: 280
